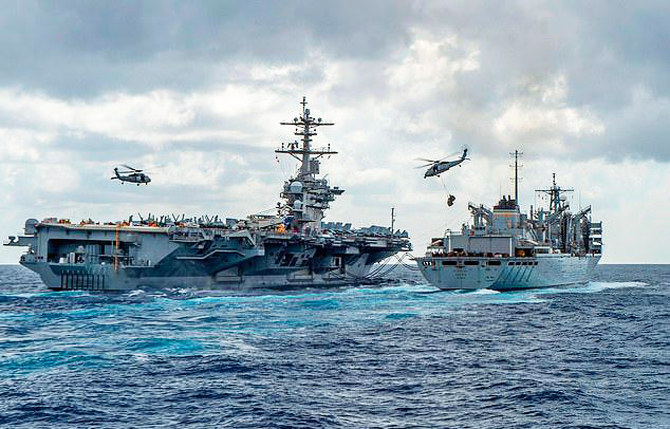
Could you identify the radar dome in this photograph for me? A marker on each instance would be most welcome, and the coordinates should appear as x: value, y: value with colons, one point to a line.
x: 297, y: 205
x: 31, y: 226
x: 296, y: 187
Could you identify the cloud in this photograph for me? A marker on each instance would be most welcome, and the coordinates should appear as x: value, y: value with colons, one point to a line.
x: 133, y: 47
x: 432, y: 65
x: 541, y: 119
x: 640, y: 127
x: 152, y: 118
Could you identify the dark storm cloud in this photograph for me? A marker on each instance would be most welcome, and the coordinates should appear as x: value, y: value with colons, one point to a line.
x: 606, y: 51
x: 76, y: 49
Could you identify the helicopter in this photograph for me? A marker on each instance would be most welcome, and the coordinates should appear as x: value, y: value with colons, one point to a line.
x: 132, y: 175
x: 440, y: 166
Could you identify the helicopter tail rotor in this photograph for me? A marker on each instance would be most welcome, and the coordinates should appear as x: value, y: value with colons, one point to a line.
x: 116, y: 175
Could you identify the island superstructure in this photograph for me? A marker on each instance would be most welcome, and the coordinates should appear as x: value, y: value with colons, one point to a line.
x: 505, y: 249
x: 292, y: 248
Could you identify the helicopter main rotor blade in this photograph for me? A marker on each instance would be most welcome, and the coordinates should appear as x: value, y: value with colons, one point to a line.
x: 454, y: 154
x: 154, y: 167
x: 434, y: 161
x: 131, y: 168
x: 425, y: 165
x: 448, y: 156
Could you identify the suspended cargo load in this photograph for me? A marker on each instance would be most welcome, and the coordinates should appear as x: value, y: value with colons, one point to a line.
x: 506, y: 249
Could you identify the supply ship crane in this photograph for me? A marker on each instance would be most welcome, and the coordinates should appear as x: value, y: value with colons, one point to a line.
x: 506, y: 249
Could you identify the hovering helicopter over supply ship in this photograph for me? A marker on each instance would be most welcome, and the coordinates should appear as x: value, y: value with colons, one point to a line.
x: 440, y: 166
x: 505, y: 249
x: 293, y: 248
x: 132, y: 175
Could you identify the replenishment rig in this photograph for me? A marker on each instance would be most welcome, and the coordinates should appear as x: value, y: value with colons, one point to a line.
x: 505, y: 249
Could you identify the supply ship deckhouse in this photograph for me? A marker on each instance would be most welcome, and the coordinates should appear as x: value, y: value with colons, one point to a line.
x: 290, y: 249
x: 505, y: 249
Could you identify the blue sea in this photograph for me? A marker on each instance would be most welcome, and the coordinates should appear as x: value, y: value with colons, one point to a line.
x: 398, y: 354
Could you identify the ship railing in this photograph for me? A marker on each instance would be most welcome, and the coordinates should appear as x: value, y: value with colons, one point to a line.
x: 28, y: 258
x: 137, y: 264
x: 188, y: 234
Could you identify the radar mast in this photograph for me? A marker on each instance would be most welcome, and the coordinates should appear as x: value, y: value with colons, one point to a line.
x: 305, y: 127
x: 516, y: 154
x: 555, y: 201
x: 306, y: 196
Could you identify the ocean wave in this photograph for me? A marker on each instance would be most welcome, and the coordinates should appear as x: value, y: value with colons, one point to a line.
x: 395, y: 354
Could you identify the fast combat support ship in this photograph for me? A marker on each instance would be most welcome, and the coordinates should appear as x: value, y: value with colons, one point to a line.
x: 505, y: 249
x: 290, y: 249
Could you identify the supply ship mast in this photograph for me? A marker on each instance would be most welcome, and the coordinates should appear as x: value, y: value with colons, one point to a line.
x: 506, y: 249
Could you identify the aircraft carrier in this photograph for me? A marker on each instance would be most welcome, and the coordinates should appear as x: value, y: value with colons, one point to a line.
x: 291, y: 248
x: 505, y: 249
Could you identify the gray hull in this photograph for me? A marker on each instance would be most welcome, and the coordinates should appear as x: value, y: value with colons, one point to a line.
x: 113, y: 257
x: 76, y: 277
x: 507, y: 273
x: 255, y: 272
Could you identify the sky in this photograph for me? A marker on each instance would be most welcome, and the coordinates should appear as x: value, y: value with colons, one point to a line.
x: 199, y: 89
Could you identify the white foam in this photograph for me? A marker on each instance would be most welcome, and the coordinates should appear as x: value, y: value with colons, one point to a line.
x: 238, y: 346
x: 484, y: 292
x: 598, y: 286
x: 590, y: 287
x: 141, y: 357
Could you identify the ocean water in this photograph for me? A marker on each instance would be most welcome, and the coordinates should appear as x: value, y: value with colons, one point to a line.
x: 398, y: 354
